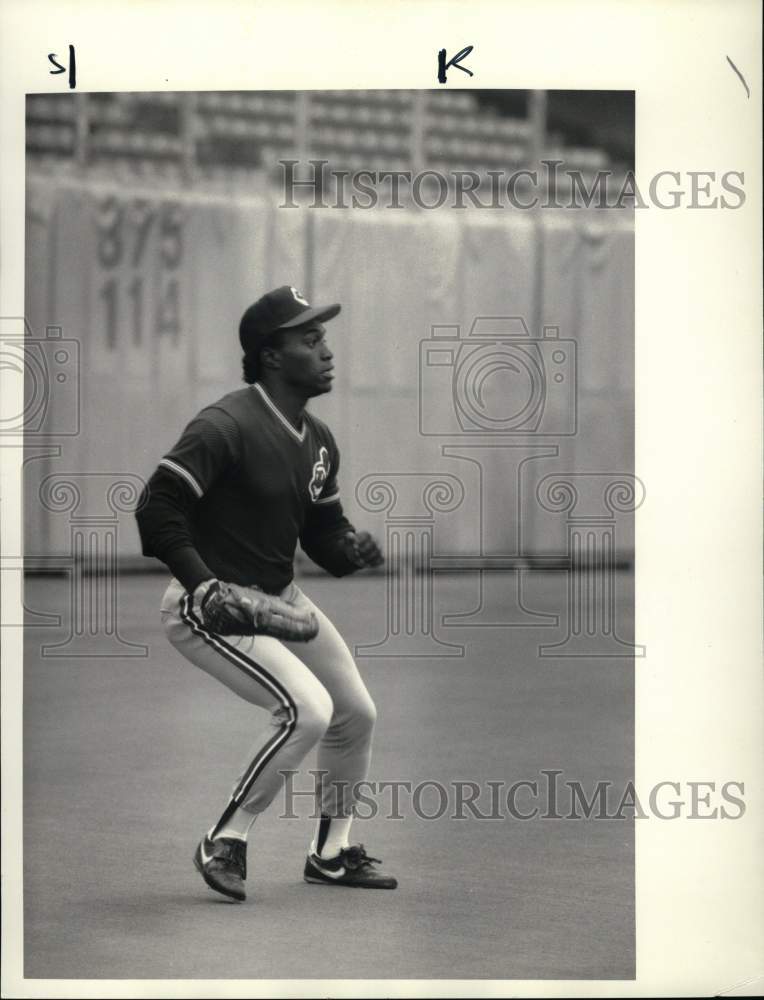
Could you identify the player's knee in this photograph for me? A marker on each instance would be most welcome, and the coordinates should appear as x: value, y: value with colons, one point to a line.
x: 355, y: 721
x: 315, y: 715
x: 365, y: 714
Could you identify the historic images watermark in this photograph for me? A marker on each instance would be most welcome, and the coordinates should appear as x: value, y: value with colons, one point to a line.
x: 547, y: 795
x: 48, y: 369
x: 498, y: 398
x: 86, y: 506
x: 552, y: 186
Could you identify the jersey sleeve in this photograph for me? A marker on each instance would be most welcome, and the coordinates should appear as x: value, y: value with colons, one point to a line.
x: 208, y: 445
x: 206, y: 448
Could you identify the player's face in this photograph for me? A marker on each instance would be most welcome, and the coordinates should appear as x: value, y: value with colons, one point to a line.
x: 305, y: 359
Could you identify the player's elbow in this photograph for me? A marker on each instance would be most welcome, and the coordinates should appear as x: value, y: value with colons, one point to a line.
x: 145, y: 516
x: 329, y: 556
x: 156, y: 514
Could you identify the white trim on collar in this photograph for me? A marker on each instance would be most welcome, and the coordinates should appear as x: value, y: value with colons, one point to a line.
x: 299, y: 435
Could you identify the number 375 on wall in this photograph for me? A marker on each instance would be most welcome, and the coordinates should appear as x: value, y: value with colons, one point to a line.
x: 139, y: 250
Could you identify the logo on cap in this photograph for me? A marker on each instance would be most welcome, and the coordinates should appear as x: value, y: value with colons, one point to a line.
x: 297, y: 296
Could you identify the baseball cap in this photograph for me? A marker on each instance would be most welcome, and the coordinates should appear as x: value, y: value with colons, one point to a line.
x: 280, y: 309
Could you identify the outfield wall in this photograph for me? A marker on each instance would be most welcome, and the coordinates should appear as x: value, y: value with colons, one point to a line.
x: 147, y: 288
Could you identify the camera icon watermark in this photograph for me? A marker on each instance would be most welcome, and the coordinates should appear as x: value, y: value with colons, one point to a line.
x: 498, y: 379
x: 48, y: 370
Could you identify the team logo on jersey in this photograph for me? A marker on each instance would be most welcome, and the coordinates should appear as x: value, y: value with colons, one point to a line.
x: 298, y: 297
x: 320, y: 474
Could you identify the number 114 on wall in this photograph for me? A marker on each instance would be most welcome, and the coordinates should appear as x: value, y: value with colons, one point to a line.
x: 139, y: 251
x: 125, y: 302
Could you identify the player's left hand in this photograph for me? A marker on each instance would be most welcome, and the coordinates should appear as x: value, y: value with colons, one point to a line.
x: 230, y: 610
x: 364, y: 550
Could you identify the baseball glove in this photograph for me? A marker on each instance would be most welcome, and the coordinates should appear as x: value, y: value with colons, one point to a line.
x: 229, y: 610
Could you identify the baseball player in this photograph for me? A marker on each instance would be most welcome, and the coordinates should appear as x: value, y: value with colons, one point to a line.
x: 250, y: 476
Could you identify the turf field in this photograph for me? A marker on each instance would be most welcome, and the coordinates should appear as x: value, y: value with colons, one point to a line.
x: 128, y: 761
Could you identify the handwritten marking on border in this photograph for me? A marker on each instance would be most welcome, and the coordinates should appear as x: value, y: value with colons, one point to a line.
x: 742, y: 78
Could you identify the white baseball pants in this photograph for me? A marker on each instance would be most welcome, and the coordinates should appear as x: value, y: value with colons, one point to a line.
x: 313, y: 691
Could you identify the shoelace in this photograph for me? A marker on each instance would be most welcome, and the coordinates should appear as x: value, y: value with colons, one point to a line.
x: 239, y: 856
x: 356, y: 857
x: 233, y: 853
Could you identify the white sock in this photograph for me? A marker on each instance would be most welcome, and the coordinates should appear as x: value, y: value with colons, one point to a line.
x: 332, y: 835
x: 237, y: 826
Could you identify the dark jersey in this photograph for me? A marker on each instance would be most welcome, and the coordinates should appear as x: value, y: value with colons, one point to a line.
x: 252, y: 485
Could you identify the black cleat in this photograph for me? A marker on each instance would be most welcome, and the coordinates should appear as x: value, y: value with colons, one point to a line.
x: 222, y: 863
x: 352, y: 867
